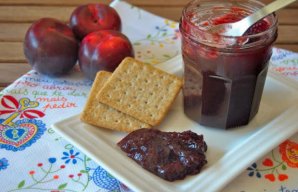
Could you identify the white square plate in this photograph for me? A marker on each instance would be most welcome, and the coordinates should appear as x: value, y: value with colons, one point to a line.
x: 229, y: 151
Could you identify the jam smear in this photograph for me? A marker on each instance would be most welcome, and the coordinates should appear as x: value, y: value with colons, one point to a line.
x: 169, y: 155
x: 258, y: 27
x: 236, y: 14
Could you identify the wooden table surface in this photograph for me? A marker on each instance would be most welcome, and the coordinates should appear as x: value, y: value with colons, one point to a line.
x: 17, y: 15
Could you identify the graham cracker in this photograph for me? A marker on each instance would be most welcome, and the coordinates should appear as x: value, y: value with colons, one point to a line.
x: 101, y: 115
x: 140, y: 90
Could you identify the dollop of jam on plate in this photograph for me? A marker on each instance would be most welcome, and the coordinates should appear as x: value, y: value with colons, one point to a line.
x: 169, y: 155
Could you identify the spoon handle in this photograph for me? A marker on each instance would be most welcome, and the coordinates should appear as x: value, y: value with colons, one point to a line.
x: 266, y: 10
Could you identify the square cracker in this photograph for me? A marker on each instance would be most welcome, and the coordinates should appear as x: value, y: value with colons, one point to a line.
x: 140, y: 90
x: 101, y: 115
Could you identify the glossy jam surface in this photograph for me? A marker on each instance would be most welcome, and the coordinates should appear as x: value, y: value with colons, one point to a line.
x: 169, y: 155
x: 236, y: 14
x: 223, y: 85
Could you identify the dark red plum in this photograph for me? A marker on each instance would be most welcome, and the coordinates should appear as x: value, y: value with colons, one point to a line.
x: 93, y: 17
x: 50, y: 47
x: 103, y: 50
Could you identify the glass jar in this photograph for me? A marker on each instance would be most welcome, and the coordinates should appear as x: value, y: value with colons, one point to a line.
x: 224, y: 76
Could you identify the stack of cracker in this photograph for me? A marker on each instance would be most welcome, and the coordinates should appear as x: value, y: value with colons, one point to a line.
x: 136, y: 95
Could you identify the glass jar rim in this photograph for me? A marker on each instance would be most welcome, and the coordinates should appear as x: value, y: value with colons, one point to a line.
x: 272, y: 29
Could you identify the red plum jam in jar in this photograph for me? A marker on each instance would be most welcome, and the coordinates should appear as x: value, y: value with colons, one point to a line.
x: 224, y: 76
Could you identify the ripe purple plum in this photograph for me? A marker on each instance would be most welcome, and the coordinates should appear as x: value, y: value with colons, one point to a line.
x: 103, y: 50
x: 93, y: 17
x: 50, y: 47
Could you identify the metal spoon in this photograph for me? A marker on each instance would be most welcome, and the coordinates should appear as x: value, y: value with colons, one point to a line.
x: 240, y: 27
